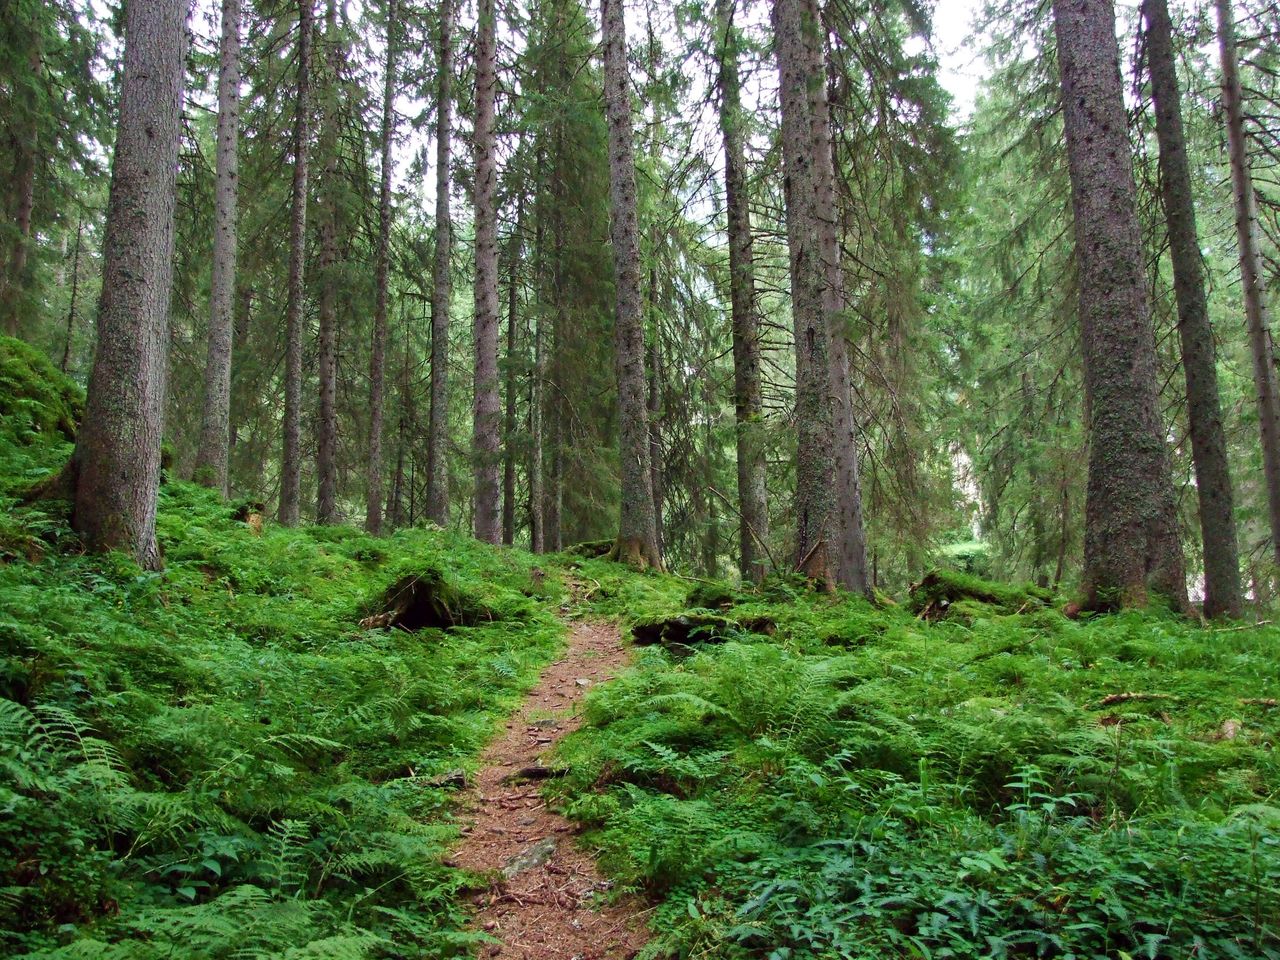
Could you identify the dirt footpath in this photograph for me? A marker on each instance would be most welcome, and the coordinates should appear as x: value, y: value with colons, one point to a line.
x: 548, y: 900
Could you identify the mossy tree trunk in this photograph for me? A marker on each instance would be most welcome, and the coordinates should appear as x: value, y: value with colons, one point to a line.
x: 327, y: 360
x: 753, y: 523
x: 116, y: 464
x: 215, y: 420
x: 291, y: 458
x: 849, y: 547
x: 1199, y: 362
x: 487, y: 409
x: 509, y: 412
x: 1131, y: 526
x: 537, y: 385
x: 815, y: 499
x: 378, y: 344
x: 438, y: 417
x: 1261, y: 348
x: 637, y: 542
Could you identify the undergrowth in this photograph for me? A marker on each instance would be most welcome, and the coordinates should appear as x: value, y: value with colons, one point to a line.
x: 866, y: 783
x: 216, y: 760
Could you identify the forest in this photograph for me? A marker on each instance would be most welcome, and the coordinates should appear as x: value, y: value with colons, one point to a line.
x: 785, y: 479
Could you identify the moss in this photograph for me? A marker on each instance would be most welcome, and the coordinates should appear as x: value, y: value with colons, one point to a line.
x: 38, y: 404
x: 945, y: 592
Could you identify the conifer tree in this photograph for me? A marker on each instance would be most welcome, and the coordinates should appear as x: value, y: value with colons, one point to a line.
x: 487, y: 412
x: 438, y: 423
x: 637, y: 541
x: 211, y: 459
x: 1199, y: 356
x: 1131, y: 532
x: 752, y: 493
x: 116, y: 463
x: 378, y: 347
x: 815, y: 498
x: 291, y: 457
x: 1252, y: 274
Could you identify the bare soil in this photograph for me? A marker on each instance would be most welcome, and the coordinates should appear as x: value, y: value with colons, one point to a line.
x: 548, y: 901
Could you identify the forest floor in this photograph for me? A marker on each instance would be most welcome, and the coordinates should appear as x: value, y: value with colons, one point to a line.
x: 548, y: 899
x: 245, y: 756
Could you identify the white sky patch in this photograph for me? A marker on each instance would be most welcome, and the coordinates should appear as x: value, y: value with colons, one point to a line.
x: 961, y: 64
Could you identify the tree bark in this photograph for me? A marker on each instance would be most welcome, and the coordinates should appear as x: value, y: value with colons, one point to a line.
x: 850, y: 546
x: 378, y: 347
x: 753, y: 509
x: 653, y: 399
x: 815, y: 507
x: 438, y: 418
x: 291, y: 459
x: 1199, y: 363
x: 116, y: 464
x: 637, y: 542
x: 509, y: 407
x: 215, y: 420
x: 14, y: 279
x: 1251, y: 271
x: 487, y: 409
x: 396, y: 514
x: 1131, y: 526
x: 75, y: 295
x: 537, y: 386
x: 327, y: 361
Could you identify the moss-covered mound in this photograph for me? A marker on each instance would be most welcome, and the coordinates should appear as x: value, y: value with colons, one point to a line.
x: 868, y: 782
x: 38, y: 404
x: 218, y: 761
x: 949, y: 594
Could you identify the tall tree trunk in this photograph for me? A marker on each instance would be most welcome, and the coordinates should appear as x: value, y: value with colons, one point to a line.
x: 753, y: 507
x: 15, y: 277
x: 75, y: 295
x: 396, y: 510
x: 553, y: 387
x: 537, y: 385
x: 1251, y: 273
x: 654, y: 406
x: 509, y: 407
x: 1035, y: 506
x: 211, y: 457
x: 1131, y: 525
x: 291, y: 459
x: 1199, y: 364
x: 438, y: 423
x: 637, y: 542
x: 116, y: 464
x: 327, y: 423
x: 815, y: 507
x: 378, y: 347
x: 553, y: 530
x: 487, y: 409
x: 850, y: 546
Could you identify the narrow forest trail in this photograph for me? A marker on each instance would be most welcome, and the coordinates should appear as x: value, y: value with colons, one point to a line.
x: 547, y: 901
